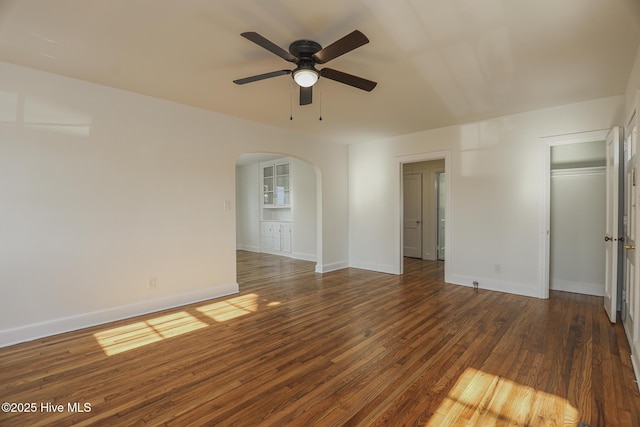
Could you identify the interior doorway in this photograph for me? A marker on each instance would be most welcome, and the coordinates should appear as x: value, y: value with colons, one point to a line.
x: 423, y: 229
x: 576, y: 213
x: 278, y: 206
x: 436, y: 215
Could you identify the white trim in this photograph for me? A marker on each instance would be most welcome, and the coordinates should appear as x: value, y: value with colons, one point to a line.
x: 248, y: 248
x: 71, y: 323
x: 304, y: 257
x: 627, y: 332
x: 295, y: 255
x: 635, y: 363
x: 576, y: 138
x: 585, y: 288
x: 326, y: 268
x: 380, y: 268
x: 523, y: 289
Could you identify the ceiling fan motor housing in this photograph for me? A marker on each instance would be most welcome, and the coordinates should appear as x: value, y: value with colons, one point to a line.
x: 304, y: 49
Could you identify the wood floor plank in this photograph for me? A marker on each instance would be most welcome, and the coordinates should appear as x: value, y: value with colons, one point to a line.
x: 350, y: 347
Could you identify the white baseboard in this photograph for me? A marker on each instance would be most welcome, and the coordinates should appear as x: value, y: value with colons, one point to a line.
x: 626, y: 325
x: 278, y: 253
x: 71, y: 323
x: 523, y: 289
x: 303, y: 256
x: 380, y: 268
x: 635, y: 362
x: 596, y: 289
x: 295, y: 255
x: 248, y: 248
x: 325, y: 268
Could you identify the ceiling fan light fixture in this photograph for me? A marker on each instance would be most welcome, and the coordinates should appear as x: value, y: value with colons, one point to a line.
x: 306, y: 54
x: 305, y: 77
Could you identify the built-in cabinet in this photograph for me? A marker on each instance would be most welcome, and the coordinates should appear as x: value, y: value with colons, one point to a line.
x: 276, y: 236
x: 276, y: 225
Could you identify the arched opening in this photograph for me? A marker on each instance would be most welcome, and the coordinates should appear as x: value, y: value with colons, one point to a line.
x: 278, y: 207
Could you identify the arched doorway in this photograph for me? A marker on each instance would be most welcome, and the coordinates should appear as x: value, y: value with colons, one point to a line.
x: 278, y: 206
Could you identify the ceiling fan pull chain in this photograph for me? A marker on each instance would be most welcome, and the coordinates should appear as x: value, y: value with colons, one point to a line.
x: 291, y: 100
x: 320, y: 99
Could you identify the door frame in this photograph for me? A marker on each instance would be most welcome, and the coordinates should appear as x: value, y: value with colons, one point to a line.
x: 399, y: 214
x: 438, y: 192
x: 545, y: 241
x: 628, y: 290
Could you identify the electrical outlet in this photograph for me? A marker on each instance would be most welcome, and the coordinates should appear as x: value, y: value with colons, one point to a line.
x: 152, y: 283
x: 497, y: 268
x: 475, y: 284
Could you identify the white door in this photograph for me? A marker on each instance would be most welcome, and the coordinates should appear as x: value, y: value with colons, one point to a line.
x: 629, y: 303
x: 412, y: 207
x: 267, y: 236
x: 612, y: 231
x: 285, y: 235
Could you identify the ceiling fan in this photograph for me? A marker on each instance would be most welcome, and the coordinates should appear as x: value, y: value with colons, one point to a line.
x: 306, y: 54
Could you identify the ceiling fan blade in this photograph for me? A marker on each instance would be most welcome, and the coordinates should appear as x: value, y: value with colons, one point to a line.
x: 261, y: 77
x: 306, y: 95
x: 269, y: 45
x: 346, y: 44
x: 348, y: 79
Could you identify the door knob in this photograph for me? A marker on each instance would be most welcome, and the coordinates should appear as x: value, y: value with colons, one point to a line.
x: 607, y: 238
x: 629, y: 246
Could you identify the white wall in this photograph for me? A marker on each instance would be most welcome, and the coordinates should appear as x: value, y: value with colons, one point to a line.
x: 248, y: 208
x: 304, y: 242
x: 632, y: 87
x: 102, y: 189
x: 496, y: 181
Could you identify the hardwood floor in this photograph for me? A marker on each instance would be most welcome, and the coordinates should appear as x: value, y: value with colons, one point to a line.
x: 350, y: 347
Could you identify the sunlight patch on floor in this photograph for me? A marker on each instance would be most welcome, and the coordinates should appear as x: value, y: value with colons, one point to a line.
x: 482, y: 399
x: 231, y: 308
x: 138, y: 334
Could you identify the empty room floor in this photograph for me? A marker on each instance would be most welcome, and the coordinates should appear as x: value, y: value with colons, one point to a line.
x: 350, y: 347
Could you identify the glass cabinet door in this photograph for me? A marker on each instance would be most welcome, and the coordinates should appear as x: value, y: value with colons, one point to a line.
x: 276, y: 185
x: 283, y: 196
x: 282, y: 169
x: 282, y: 190
x: 267, y: 185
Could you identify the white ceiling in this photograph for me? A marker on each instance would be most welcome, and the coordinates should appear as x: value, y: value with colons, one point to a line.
x: 437, y: 62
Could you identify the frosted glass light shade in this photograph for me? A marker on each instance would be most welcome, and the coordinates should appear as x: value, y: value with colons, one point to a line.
x: 305, y: 77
